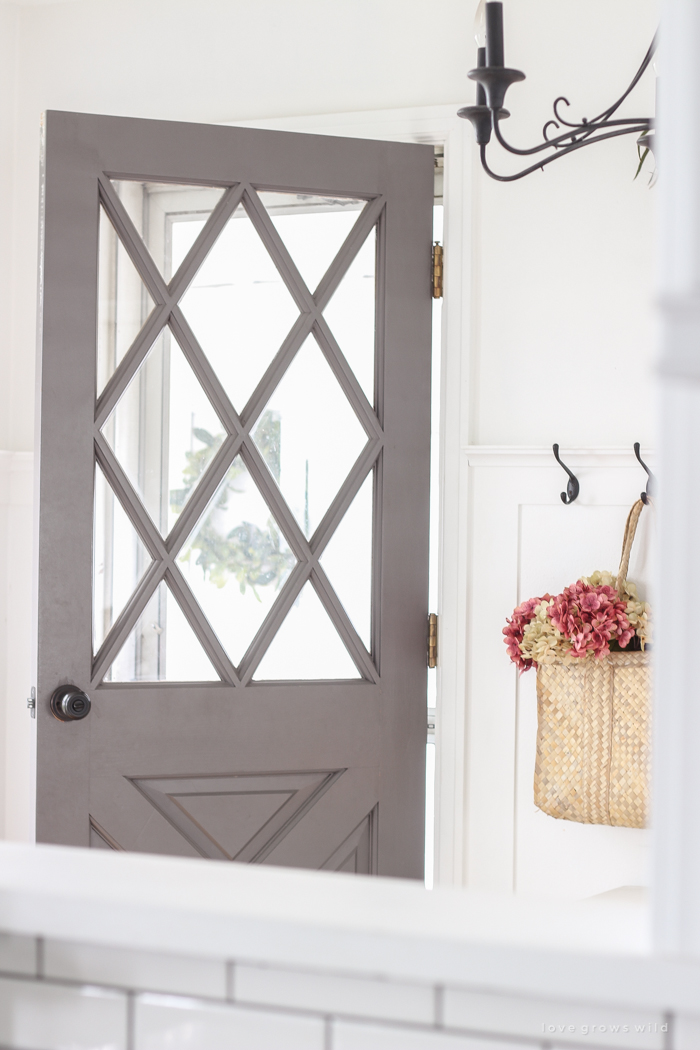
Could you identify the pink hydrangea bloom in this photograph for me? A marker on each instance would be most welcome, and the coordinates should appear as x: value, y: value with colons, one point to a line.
x: 591, y: 617
x: 515, y: 627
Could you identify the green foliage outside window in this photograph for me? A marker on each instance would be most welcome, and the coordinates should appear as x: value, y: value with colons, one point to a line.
x: 253, y: 556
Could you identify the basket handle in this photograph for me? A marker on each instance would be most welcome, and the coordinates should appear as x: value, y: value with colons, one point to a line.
x: 628, y: 540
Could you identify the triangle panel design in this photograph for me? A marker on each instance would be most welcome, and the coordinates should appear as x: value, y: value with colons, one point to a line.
x: 357, y: 854
x: 101, y: 839
x: 231, y: 818
x: 239, y: 816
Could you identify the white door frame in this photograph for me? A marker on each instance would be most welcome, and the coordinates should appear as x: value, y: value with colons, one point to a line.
x: 439, y: 125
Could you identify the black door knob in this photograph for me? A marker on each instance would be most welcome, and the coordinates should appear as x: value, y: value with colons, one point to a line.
x: 69, y: 703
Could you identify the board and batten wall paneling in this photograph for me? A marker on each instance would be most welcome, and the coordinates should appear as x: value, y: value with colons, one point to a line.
x: 523, y: 542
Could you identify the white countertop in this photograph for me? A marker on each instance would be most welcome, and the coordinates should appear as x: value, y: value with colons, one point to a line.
x: 321, y: 920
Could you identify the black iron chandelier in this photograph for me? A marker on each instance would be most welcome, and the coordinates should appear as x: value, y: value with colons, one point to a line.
x: 493, y: 78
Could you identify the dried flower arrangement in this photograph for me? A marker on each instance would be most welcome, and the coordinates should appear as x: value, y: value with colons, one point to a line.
x: 591, y: 618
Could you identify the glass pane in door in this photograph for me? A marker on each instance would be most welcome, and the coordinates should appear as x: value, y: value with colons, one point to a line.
x: 184, y: 461
x: 236, y: 560
x: 162, y: 647
x: 307, y: 645
x: 165, y: 211
x: 123, y: 302
x: 313, y: 227
x: 119, y: 559
x: 238, y: 306
x: 164, y: 432
x: 348, y: 561
x: 351, y: 314
x: 320, y: 435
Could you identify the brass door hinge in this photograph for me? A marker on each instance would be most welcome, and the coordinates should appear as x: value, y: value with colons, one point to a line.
x: 438, y: 256
x: 432, y: 640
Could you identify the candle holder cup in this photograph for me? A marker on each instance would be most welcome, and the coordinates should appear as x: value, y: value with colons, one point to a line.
x: 495, y: 81
x: 481, y: 118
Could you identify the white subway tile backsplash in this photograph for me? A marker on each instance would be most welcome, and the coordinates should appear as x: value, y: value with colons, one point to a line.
x: 351, y: 1036
x: 36, y: 1015
x: 139, y: 970
x: 333, y: 993
x: 167, y: 1023
x: 79, y: 1001
x: 686, y: 1028
x: 553, y: 1020
x: 17, y: 954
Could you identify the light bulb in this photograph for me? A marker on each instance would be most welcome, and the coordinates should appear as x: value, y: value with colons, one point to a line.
x: 480, y: 24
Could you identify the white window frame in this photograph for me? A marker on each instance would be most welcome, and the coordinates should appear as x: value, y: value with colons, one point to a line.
x: 439, y: 125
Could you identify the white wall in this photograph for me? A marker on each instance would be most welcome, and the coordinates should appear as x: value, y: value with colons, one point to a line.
x: 8, y: 85
x: 566, y: 331
x: 677, y: 853
x: 565, y: 257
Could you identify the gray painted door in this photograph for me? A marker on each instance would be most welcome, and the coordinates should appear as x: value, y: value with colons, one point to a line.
x: 233, y: 523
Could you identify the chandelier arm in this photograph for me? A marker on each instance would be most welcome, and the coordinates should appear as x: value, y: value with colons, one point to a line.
x: 547, y: 144
x: 584, y: 131
x: 560, y: 153
x: 557, y: 114
x: 587, y: 128
x: 637, y: 77
x: 599, y: 121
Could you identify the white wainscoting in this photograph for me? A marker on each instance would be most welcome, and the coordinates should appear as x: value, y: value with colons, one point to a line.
x: 523, y: 541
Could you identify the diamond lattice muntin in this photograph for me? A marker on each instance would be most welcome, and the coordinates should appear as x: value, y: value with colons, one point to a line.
x: 236, y: 490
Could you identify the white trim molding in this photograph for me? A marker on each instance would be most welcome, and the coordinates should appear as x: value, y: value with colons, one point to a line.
x: 16, y: 478
x: 523, y: 456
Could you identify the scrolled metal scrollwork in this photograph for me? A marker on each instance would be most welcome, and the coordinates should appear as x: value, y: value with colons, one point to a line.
x: 493, y: 81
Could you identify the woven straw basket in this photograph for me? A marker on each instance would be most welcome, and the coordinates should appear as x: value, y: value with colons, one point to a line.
x: 593, y: 731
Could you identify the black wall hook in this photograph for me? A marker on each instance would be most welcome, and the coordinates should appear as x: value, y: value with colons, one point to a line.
x: 651, y: 479
x: 572, y: 486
